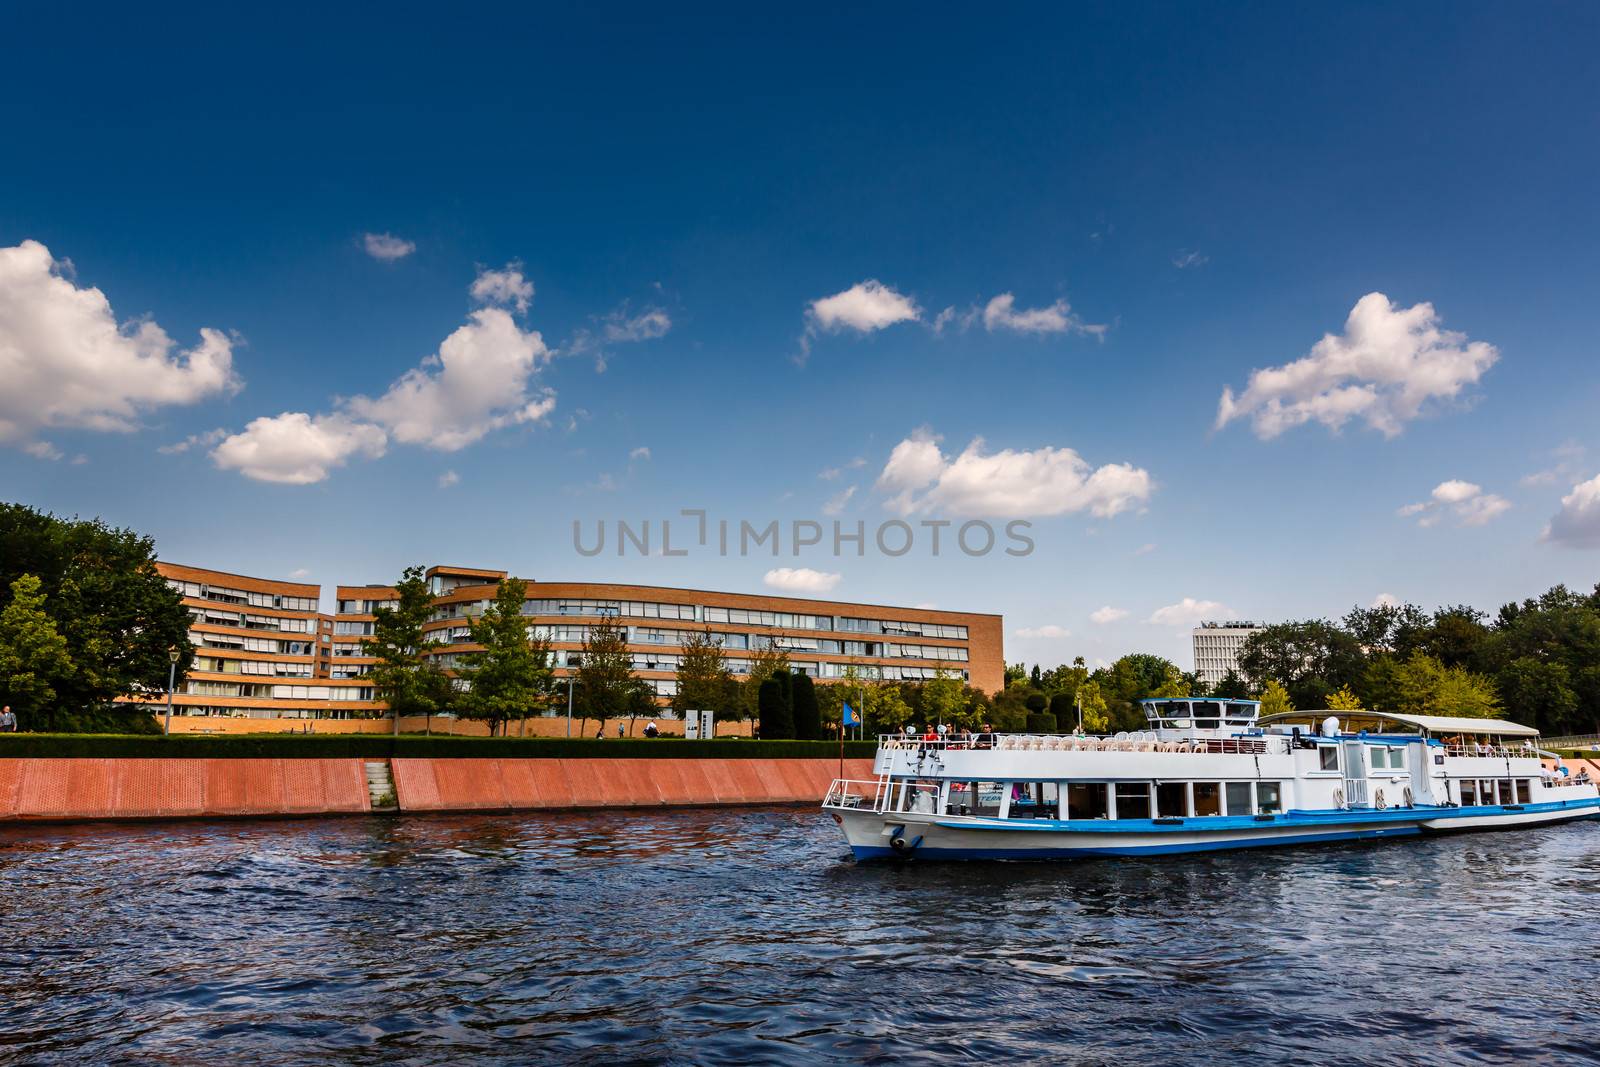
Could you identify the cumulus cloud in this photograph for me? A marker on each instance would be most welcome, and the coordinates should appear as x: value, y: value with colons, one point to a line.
x: 480, y: 380
x: 387, y: 247
x: 449, y: 478
x: 1047, y: 481
x: 1001, y: 313
x: 1386, y: 368
x: 1577, y: 524
x: 1050, y: 630
x: 1191, y: 612
x: 1467, y: 502
x: 801, y: 580
x: 43, y: 450
x: 296, y: 448
x: 864, y: 307
x: 1386, y: 600
x: 65, y: 361
x: 505, y: 287
x: 1107, y: 614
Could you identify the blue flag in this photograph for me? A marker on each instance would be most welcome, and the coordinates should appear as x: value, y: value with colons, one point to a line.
x: 850, y: 716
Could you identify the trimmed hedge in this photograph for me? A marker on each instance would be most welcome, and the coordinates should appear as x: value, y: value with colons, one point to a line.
x: 385, y: 746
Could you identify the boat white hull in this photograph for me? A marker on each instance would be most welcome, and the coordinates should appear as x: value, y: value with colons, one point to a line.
x: 910, y: 835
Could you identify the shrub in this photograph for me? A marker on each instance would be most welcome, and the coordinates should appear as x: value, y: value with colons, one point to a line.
x: 1042, y: 722
x: 385, y: 746
x: 807, y: 715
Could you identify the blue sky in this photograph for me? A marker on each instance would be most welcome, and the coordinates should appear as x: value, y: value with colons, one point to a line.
x: 1172, y: 196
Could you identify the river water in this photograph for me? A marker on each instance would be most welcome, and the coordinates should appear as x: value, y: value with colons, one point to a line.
x: 751, y: 937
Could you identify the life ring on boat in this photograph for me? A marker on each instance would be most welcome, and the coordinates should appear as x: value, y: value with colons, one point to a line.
x: 1408, y: 801
x: 1378, y: 801
x: 1338, y: 797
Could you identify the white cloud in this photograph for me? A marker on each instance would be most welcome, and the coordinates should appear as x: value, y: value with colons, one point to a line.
x: 1386, y: 600
x: 801, y: 580
x: 66, y: 362
x: 926, y: 605
x: 506, y: 287
x: 1001, y: 314
x: 482, y: 384
x: 837, y: 502
x: 387, y: 247
x: 1568, y: 468
x: 1145, y: 549
x: 1577, y: 524
x: 1470, y: 505
x: 828, y: 474
x: 1045, y: 481
x: 194, y: 440
x: 1050, y: 630
x: 864, y: 307
x: 1189, y: 258
x: 43, y: 450
x: 1386, y: 368
x: 1190, y: 612
x: 297, y: 449
x: 641, y: 454
x: 1107, y: 614
x: 645, y: 326
x: 299, y: 572
x: 449, y: 478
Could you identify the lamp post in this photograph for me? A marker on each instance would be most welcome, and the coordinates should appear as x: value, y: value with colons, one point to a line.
x: 172, y: 680
x: 572, y: 662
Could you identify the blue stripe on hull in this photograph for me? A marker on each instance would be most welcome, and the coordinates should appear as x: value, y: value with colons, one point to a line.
x: 866, y: 852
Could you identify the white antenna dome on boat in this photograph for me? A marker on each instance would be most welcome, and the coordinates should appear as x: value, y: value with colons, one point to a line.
x: 1330, y: 726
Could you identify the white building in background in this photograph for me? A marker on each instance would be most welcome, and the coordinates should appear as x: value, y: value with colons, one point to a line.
x: 1217, y: 646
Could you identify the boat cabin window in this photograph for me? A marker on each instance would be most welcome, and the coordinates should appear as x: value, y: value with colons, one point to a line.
x: 1469, y: 794
x: 1268, y: 798
x: 1524, y: 790
x: 1486, y: 793
x: 1172, y: 798
x: 1133, y: 800
x: 1088, y: 800
x: 1033, y: 800
x: 1508, y: 792
x: 1238, y: 798
x: 1329, y: 755
x: 1388, y: 757
x: 1207, y: 714
x: 1208, y: 798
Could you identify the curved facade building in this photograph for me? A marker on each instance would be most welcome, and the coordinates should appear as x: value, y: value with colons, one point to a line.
x: 315, y: 665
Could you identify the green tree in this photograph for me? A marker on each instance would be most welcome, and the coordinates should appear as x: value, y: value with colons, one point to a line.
x: 605, y: 677
x: 773, y: 711
x: 703, y: 676
x: 510, y: 675
x: 117, y: 614
x: 942, y: 698
x: 767, y: 658
x: 1428, y: 687
x: 1309, y: 659
x: 34, y: 662
x: 1095, y: 720
x: 1231, y: 687
x: 1274, y: 699
x: 805, y: 709
x: 403, y: 674
x: 1342, y: 699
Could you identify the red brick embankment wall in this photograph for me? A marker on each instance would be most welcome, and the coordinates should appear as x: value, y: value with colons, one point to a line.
x: 89, y: 789
x: 510, y: 783
x: 178, y: 788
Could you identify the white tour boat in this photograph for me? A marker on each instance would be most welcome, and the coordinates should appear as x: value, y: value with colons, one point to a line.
x: 1207, y: 774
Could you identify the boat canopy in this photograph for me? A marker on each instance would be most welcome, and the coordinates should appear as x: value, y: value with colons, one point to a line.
x: 1428, y: 725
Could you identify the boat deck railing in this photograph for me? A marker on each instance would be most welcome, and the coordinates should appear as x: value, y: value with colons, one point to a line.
x: 1491, y: 751
x: 1139, y: 741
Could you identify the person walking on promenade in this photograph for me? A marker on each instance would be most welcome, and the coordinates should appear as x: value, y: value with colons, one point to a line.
x: 8, y: 721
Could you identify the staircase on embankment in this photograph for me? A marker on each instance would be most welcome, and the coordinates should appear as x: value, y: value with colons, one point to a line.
x: 380, y: 785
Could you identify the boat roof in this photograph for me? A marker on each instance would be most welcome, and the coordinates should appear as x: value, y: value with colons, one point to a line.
x: 1427, y: 724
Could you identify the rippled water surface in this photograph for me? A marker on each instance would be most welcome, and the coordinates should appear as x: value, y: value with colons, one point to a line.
x: 750, y: 937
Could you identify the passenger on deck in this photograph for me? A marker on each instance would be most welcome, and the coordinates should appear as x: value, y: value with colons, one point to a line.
x: 985, y: 739
x: 929, y: 733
